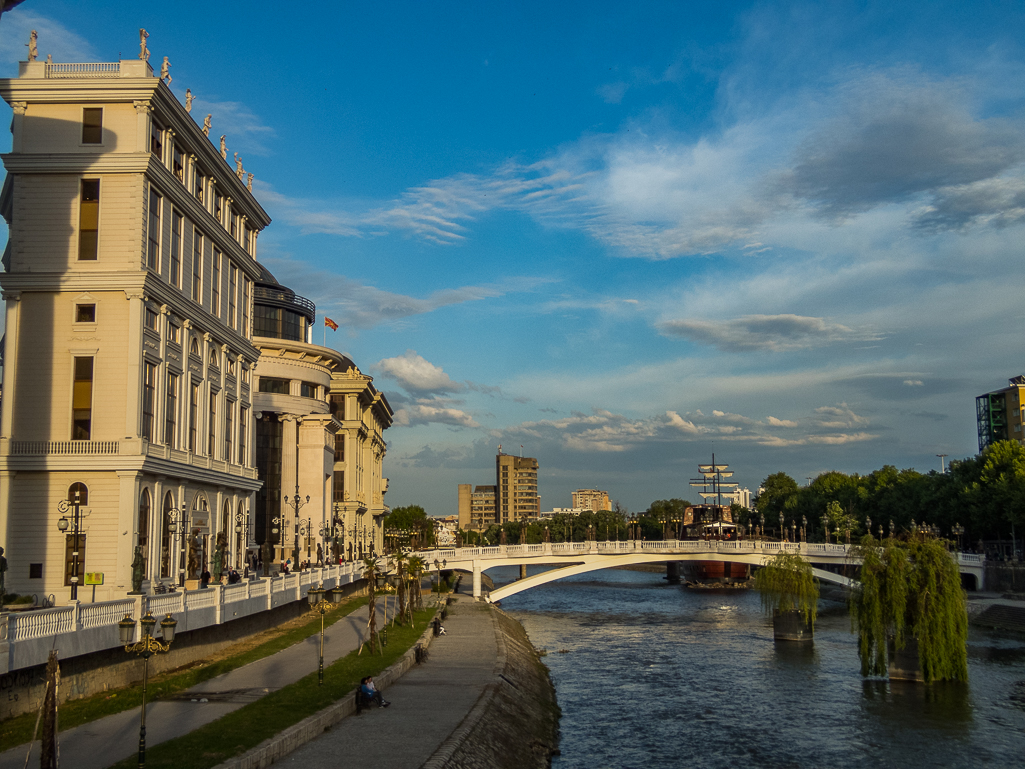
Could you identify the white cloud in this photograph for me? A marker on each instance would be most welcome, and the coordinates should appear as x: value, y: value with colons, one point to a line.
x: 773, y: 422
x: 244, y: 131
x: 53, y: 38
x: 416, y: 374
x: 420, y: 414
x: 775, y: 333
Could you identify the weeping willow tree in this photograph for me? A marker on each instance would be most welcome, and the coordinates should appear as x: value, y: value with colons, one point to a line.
x: 910, y: 589
x: 786, y: 583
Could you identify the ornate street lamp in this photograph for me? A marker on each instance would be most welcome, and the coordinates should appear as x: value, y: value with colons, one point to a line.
x: 296, y: 503
x: 762, y: 530
x: 891, y: 528
x: 242, y: 536
x: 146, y: 648
x: 178, y: 524
x: 804, y: 528
x: 868, y: 524
x: 825, y: 527
x: 76, y: 523
x: 958, y: 530
x: 781, y: 535
x: 318, y: 602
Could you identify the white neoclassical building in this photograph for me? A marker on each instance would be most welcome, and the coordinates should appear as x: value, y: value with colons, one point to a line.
x: 128, y: 280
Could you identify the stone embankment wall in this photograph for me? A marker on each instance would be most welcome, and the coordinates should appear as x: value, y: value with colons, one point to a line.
x: 515, y: 723
x: 88, y: 674
x: 1005, y: 577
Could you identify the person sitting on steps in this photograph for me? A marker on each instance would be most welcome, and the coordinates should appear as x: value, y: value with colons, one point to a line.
x: 370, y: 692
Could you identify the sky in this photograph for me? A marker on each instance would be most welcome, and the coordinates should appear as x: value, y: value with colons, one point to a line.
x: 624, y: 236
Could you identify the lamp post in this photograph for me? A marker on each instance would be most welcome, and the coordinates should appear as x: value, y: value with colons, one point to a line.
x: 76, y: 525
x: 242, y: 532
x: 891, y: 528
x: 296, y: 503
x: 781, y: 527
x: 319, y: 603
x: 868, y: 524
x: 825, y: 528
x: 804, y: 528
x: 178, y: 524
x: 146, y: 648
x: 761, y: 531
x: 958, y: 530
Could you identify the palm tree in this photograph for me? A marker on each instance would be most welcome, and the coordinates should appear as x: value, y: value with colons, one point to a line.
x: 371, y: 567
x: 417, y: 566
x: 401, y: 560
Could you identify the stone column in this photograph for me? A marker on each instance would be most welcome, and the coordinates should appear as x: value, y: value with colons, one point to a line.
x: 134, y: 363
x: 127, y: 526
x: 476, y: 580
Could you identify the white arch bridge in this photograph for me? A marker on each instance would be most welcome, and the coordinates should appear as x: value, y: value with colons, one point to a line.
x: 582, y: 557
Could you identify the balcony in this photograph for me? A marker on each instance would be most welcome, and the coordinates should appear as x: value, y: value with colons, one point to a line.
x: 64, y: 448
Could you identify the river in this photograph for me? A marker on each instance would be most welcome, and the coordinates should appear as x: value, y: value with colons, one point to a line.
x: 655, y: 675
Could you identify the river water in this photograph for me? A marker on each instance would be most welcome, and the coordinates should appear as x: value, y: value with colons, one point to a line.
x: 654, y: 675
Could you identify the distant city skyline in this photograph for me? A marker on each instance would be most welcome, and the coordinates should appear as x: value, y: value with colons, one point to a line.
x: 625, y: 236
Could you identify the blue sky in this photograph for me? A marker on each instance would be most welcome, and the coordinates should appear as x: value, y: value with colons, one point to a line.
x: 626, y: 235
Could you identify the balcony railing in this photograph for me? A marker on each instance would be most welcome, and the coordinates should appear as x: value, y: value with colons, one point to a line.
x: 63, y: 448
x: 94, y: 69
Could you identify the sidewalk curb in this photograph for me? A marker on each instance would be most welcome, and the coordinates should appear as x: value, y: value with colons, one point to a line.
x: 297, y: 735
x: 455, y: 740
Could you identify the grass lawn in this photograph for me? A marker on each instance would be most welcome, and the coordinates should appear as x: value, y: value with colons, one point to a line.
x: 18, y: 730
x: 248, y: 726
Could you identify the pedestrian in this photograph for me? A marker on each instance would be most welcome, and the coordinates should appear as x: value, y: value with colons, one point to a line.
x: 370, y: 692
x: 204, y: 578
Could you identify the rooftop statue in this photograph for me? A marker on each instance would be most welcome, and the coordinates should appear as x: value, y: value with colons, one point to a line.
x: 33, y: 50
x: 224, y: 148
x: 49, y: 58
x: 165, y: 71
x: 239, y: 172
x: 188, y: 100
x: 143, y: 50
x: 206, y: 125
x: 249, y: 184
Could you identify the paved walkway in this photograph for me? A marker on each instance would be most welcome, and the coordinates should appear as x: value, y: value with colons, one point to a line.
x: 101, y: 743
x: 427, y: 704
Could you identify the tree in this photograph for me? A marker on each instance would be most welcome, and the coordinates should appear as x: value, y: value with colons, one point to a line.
x: 414, y: 519
x: 778, y: 495
x: 910, y: 588
x: 786, y: 583
x: 371, y: 568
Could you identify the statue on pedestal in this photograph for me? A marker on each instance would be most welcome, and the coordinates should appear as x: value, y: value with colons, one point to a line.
x: 138, y: 567
x: 165, y: 71
x: 188, y: 100
x: 143, y: 50
x: 33, y: 49
x: 206, y: 125
x: 239, y: 171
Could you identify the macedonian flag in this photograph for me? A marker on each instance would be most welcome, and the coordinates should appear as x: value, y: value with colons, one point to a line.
x: 330, y: 324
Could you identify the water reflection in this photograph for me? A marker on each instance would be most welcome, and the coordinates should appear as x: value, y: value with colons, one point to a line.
x: 656, y: 675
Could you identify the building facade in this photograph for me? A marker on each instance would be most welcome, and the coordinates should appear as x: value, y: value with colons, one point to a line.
x: 1000, y: 415
x: 319, y: 434
x: 516, y: 497
x: 476, y: 507
x: 128, y: 279
x: 591, y: 499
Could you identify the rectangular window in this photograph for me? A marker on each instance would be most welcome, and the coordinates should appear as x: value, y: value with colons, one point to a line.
x: 174, y: 333
x: 197, y: 266
x: 211, y: 443
x: 178, y: 163
x: 82, y: 400
x: 171, y: 410
x: 89, y: 220
x: 156, y: 140
x: 149, y: 394
x: 85, y: 313
x: 308, y: 390
x: 193, y: 417
x: 338, y: 485
x: 339, y: 447
x: 151, y: 319
x: 233, y: 219
x: 242, y: 414
x: 198, y: 184
x: 175, y: 270
x: 219, y: 207
x: 71, y: 542
x: 229, y: 408
x: 245, y: 307
x: 215, y: 284
x: 272, y: 385
x: 92, y: 125
x: 153, y: 253
x: 232, y: 288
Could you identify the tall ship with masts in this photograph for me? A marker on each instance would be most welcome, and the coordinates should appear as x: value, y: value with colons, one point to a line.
x: 713, y: 520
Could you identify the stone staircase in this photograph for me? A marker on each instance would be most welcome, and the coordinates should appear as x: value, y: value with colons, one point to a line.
x: 1002, y: 617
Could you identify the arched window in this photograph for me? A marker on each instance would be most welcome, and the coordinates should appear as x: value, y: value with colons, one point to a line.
x: 78, y: 492
x: 165, y: 536
x: 144, y: 509
x: 213, y: 357
x: 194, y: 347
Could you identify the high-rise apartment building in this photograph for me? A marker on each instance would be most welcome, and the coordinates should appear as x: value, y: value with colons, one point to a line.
x: 516, y: 497
x: 1000, y: 414
x: 591, y: 499
x: 128, y: 279
x: 476, y: 507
